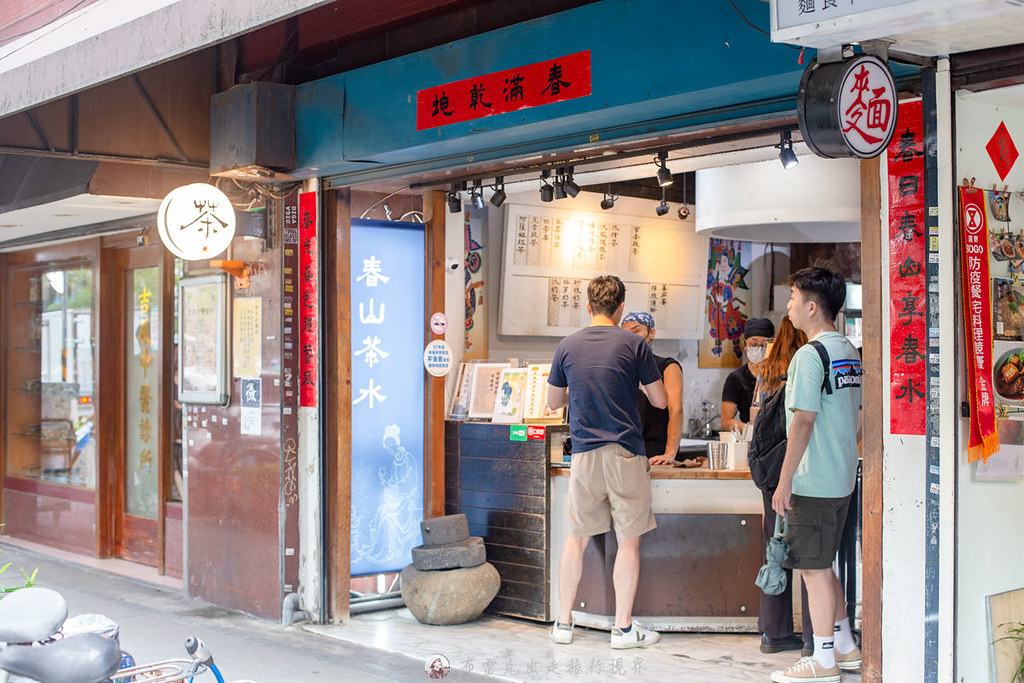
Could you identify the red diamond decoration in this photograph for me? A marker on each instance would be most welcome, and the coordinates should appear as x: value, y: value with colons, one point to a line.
x: 1002, y: 151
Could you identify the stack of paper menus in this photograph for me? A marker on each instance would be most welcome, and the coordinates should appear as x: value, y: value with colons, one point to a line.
x: 476, y: 391
x: 535, y: 408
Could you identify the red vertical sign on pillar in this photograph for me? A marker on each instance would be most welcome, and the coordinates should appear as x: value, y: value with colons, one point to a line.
x: 908, y: 325
x: 308, y: 304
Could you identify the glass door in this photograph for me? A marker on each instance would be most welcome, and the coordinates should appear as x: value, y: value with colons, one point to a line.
x: 138, y: 523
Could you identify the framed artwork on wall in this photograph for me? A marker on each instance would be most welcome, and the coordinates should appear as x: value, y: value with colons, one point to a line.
x: 203, y: 341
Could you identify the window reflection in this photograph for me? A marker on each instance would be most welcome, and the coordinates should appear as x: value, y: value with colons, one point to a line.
x: 52, y: 416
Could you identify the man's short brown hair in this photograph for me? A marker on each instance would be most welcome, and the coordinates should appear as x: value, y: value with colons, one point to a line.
x: 605, y: 294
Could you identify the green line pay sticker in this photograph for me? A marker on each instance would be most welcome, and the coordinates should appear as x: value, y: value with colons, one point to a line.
x: 517, y: 433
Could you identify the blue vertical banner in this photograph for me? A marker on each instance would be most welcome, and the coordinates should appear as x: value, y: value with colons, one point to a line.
x: 388, y: 313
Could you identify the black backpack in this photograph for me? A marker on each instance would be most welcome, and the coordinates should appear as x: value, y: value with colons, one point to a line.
x: 768, y: 443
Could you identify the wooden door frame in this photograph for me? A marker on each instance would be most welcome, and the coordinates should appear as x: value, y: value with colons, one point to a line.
x: 872, y: 508
x: 119, y: 254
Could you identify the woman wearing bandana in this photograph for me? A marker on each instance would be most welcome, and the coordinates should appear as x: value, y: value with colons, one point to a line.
x: 662, y: 426
x: 738, y: 391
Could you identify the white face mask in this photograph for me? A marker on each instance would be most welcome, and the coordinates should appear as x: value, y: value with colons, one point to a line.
x: 755, y: 354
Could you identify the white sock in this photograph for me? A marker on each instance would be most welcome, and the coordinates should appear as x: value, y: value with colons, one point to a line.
x: 845, y: 641
x: 823, y: 651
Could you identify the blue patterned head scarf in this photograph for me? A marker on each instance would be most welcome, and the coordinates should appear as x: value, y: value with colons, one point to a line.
x: 642, y: 317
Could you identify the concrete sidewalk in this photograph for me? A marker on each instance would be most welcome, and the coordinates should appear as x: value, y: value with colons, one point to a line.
x: 380, y: 646
x: 155, y: 621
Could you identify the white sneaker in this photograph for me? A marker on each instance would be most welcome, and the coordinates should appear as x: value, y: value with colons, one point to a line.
x: 807, y: 670
x: 561, y: 633
x: 637, y: 637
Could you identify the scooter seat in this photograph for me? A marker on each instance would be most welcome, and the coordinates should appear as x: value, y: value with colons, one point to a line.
x: 83, y: 658
x: 31, y: 614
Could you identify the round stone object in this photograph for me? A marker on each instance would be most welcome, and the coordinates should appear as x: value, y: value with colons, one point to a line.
x: 449, y: 596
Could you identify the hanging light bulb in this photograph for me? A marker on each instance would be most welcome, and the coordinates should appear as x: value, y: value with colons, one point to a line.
x: 609, y: 199
x: 547, y: 193
x: 477, y: 195
x: 662, y: 208
x: 499, y: 196
x: 786, y: 154
x: 571, y: 188
x: 664, y: 175
x: 454, y: 201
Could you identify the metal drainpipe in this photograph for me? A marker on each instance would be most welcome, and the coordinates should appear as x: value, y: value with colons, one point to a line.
x: 290, y: 611
x: 375, y: 603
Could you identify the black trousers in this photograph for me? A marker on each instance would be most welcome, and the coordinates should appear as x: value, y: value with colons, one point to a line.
x: 775, y: 618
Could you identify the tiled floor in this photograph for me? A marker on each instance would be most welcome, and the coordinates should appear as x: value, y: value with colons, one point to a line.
x: 515, y: 650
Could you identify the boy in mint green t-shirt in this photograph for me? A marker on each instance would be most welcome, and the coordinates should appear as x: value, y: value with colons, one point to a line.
x: 820, y: 468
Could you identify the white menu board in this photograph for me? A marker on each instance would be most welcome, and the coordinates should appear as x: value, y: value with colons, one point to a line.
x: 551, y: 254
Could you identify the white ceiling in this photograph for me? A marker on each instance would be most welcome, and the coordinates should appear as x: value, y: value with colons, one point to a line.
x: 73, y: 212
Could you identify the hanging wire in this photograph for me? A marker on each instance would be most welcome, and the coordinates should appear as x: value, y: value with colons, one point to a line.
x: 384, y: 199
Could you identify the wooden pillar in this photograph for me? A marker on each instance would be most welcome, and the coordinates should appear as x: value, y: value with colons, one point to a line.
x: 337, y: 396
x: 434, y: 215
x: 871, y: 533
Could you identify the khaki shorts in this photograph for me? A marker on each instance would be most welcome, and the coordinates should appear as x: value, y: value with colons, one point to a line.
x: 610, y: 483
x: 815, y: 530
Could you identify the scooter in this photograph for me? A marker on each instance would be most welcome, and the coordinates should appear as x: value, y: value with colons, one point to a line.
x: 30, y: 618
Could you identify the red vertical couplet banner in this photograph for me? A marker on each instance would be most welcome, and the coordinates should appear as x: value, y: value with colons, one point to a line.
x: 308, y: 301
x: 976, y: 296
x: 908, y: 325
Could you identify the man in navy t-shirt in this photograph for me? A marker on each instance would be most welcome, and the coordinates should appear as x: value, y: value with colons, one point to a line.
x: 596, y: 372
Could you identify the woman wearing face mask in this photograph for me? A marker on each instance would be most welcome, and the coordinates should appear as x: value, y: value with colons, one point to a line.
x: 662, y: 426
x: 738, y: 391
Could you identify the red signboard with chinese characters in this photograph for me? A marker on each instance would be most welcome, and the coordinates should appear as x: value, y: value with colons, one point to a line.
x: 308, y: 305
x: 908, y: 326
x: 554, y: 80
x: 977, y: 304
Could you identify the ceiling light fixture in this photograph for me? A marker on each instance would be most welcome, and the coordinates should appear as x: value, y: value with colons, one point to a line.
x: 664, y: 175
x: 662, y: 208
x: 547, y: 193
x: 499, y: 196
x: 560, y: 184
x: 786, y: 154
x: 454, y: 201
x: 476, y: 195
x: 571, y: 188
x: 609, y: 199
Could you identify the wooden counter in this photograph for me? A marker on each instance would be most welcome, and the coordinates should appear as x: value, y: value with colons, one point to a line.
x: 669, y: 472
x: 697, y: 568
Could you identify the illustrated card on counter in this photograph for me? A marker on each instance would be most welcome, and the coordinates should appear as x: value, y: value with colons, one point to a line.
x: 508, y: 403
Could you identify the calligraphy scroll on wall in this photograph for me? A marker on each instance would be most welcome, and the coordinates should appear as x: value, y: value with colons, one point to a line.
x: 550, y: 256
x: 908, y: 327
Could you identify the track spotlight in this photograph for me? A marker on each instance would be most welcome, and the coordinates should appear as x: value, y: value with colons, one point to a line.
x: 571, y: 188
x: 454, y: 202
x: 609, y: 199
x: 786, y: 154
x: 499, y: 196
x: 476, y: 195
x: 684, y: 212
x: 662, y: 208
x: 560, y: 184
x: 664, y: 175
x: 547, y: 193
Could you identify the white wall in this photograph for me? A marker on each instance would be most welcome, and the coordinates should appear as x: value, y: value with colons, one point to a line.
x: 990, y: 555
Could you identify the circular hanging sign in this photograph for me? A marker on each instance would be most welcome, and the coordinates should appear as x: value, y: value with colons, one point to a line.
x: 437, y: 358
x: 847, y: 108
x: 438, y: 323
x: 196, y: 221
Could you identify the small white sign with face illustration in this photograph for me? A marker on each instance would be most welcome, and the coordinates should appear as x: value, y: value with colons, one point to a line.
x: 196, y: 222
